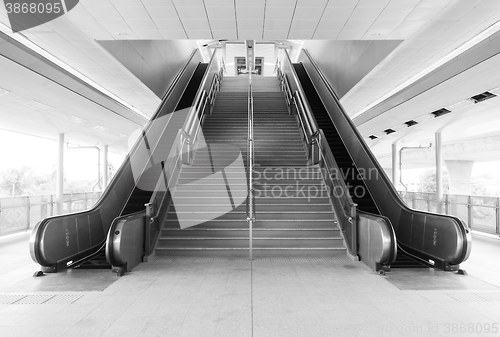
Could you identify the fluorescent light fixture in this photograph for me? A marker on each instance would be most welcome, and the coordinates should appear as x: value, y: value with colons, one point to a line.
x: 482, y: 97
x: 460, y: 105
x: 39, y: 106
x: 100, y: 128
x: 76, y: 120
x: 3, y: 92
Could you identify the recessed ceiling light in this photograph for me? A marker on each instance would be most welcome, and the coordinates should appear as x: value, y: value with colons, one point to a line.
x: 3, y: 92
x: 122, y: 34
x: 411, y: 123
x: 372, y: 137
x: 121, y: 135
x: 482, y: 97
x: 440, y: 112
x: 375, y: 34
x: 100, y: 128
x: 39, y: 106
x: 389, y: 131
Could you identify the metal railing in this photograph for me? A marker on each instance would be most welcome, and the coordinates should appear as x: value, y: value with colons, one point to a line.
x: 18, y: 214
x: 182, y: 152
x: 297, y: 105
x: 250, y: 164
x: 319, y: 153
x: 345, y: 208
x: 482, y: 213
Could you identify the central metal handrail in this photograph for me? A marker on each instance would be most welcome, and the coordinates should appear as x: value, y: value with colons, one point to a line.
x: 250, y: 164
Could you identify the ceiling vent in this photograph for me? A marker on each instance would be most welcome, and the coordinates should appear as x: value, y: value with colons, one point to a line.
x: 482, y: 97
x: 372, y: 137
x: 440, y: 112
x: 411, y: 123
x: 389, y: 131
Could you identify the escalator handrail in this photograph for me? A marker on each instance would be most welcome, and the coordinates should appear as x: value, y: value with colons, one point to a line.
x: 178, y: 76
x: 458, y: 223
x: 39, y: 229
x: 327, y: 155
x: 307, y: 111
x: 200, y: 95
x: 309, y: 128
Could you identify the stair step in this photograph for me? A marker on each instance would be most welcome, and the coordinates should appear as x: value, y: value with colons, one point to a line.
x: 256, y: 253
x: 257, y: 242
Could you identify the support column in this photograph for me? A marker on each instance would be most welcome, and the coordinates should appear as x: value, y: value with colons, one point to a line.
x: 439, y: 174
x: 460, y: 173
x: 396, y: 165
x: 105, y: 170
x: 60, y: 175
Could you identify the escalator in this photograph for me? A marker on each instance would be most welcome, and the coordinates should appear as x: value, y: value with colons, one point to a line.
x: 139, y: 196
x: 384, y: 203
x: 81, y: 240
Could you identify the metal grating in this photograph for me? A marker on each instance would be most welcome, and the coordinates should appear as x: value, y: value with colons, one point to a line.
x: 462, y: 297
x: 63, y: 299
x: 9, y: 299
x: 466, y: 297
x: 489, y: 296
x: 34, y: 299
x: 39, y: 299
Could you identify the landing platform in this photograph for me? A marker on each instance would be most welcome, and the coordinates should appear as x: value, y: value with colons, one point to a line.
x: 237, y: 297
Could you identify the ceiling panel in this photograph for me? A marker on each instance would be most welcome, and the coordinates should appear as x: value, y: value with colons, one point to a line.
x: 308, y: 13
x: 219, y: 25
x: 279, y: 13
x: 283, y: 25
x: 192, y: 13
x: 221, y: 13
x: 168, y: 24
x: 162, y: 12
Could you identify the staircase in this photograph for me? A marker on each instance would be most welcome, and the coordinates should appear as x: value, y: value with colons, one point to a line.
x: 293, y: 211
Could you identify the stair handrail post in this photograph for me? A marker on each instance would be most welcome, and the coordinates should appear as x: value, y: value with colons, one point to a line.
x: 354, y: 224
x: 250, y: 163
x: 148, y: 222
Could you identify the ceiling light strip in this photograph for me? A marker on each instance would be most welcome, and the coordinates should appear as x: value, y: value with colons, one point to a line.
x: 19, y: 37
x: 463, y: 48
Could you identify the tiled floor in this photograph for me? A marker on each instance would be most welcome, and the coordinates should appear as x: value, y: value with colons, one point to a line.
x: 265, y: 297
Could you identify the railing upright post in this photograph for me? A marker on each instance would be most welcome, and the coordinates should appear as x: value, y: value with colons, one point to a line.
x: 469, y: 211
x: 28, y: 213
x: 354, y: 225
x: 147, y: 232
x: 497, y: 213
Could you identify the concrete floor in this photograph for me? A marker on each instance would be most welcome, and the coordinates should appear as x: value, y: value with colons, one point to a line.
x: 236, y: 297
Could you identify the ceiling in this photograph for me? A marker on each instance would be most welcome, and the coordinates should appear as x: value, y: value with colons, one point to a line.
x: 431, y: 30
